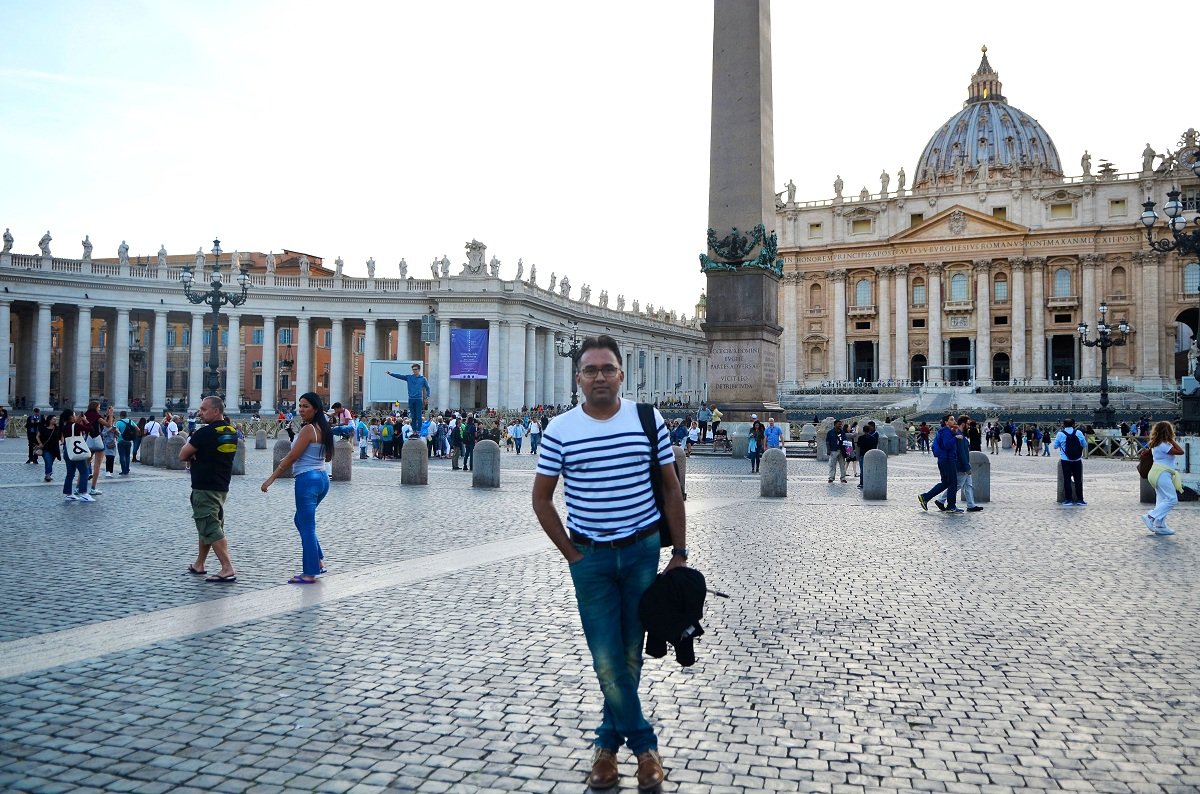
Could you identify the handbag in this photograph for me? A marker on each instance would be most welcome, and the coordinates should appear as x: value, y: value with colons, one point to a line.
x: 77, y: 448
x: 1145, y: 463
x: 95, y: 444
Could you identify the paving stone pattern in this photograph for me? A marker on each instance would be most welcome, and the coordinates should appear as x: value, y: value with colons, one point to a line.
x: 865, y: 646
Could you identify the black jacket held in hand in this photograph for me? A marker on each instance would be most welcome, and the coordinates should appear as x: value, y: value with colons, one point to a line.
x: 670, y: 611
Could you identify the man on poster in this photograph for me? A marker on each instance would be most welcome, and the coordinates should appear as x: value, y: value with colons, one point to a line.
x: 418, y: 392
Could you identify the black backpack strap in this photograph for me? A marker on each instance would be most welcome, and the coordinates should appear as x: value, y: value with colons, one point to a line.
x: 646, y: 416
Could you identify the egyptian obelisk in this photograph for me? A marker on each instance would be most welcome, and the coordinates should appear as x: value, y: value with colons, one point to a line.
x: 742, y: 322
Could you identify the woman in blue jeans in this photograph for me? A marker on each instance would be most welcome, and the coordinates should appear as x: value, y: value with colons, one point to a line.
x: 73, y: 424
x: 311, y: 449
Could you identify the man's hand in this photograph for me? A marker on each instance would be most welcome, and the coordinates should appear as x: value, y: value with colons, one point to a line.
x: 675, y: 562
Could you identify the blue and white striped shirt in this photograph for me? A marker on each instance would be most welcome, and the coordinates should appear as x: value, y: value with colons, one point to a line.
x: 605, y: 466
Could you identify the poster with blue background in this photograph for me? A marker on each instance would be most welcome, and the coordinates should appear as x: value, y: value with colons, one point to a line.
x: 468, y: 354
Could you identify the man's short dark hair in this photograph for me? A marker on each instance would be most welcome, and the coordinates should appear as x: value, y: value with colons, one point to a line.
x: 963, y: 419
x: 416, y: 366
x: 602, y: 341
x: 217, y: 403
x: 1068, y: 422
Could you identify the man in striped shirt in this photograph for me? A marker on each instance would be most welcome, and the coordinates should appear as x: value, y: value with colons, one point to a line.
x: 611, y: 542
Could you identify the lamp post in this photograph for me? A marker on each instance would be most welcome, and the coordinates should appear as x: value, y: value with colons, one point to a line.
x: 216, y: 298
x: 569, y: 348
x: 1184, y: 242
x: 1104, y: 340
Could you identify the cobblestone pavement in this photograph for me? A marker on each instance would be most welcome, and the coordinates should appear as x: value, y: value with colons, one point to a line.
x: 866, y: 646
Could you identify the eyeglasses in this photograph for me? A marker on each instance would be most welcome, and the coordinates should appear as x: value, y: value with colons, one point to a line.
x: 608, y: 371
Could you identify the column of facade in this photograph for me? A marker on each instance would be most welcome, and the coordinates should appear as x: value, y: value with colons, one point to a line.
x: 337, y: 362
x: 791, y: 328
x: 886, y: 334
x: 270, y: 371
x: 1151, y: 327
x: 120, y: 367
x: 41, y: 363
x: 1089, y: 357
x: 494, y: 369
x: 531, y: 350
x: 5, y: 356
x: 158, y: 361
x: 837, y: 285
x: 233, y: 365
x: 195, y: 361
x: 549, y: 354
x: 983, y: 321
x: 442, y: 397
x: 1037, y: 326
x: 516, y: 365
x: 801, y: 330
x: 403, y: 343
x: 903, y: 370
x: 1016, y: 364
x: 304, y: 342
x: 81, y: 391
x: 934, y: 305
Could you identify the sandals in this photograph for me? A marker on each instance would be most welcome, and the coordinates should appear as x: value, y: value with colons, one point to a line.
x: 219, y: 579
x: 302, y: 579
x: 192, y: 569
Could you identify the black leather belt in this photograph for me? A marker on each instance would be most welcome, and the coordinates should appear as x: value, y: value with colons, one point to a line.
x: 619, y: 543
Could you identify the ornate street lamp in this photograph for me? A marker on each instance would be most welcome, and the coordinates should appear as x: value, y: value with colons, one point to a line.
x: 285, y: 363
x: 569, y: 348
x: 216, y: 298
x: 1104, y: 416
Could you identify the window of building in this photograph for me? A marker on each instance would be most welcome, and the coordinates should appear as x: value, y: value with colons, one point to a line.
x: 1000, y: 213
x: 1118, y: 281
x: 284, y: 382
x: 958, y: 287
x: 1191, y: 278
x: 1062, y: 283
x: 1062, y: 318
x: 257, y: 337
x: 918, y: 292
x: 862, y: 293
x: 918, y: 322
x: 814, y: 231
x: 187, y: 337
x: 1062, y: 210
x: 170, y: 337
x: 102, y: 338
x: 207, y: 337
x: 815, y: 297
x: 1116, y: 208
x: 860, y: 226
x: 170, y: 379
x: 361, y: 344
x: 1001, y: 319
x: 327, y: 338
x: 285, y: 336
x: 1000, y: 288
x: 862, y: 326
x: 1191, y: 199
x: 816, y: 360
x: 258, y: 381
x: 256, y: 365
x: 915, y: 219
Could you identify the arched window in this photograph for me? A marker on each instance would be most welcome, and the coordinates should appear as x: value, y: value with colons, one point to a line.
x: 816, y: 360
x: 1119, y: 283
x: 958, y: 287
x: 918, y: 291
x: 1191, y: 278
x: 1000, y: 367
x: 917, y: 369
x: 862, y: 293
x: 1062, y: 283
x: 1000, y: 288
x: 814, y: 296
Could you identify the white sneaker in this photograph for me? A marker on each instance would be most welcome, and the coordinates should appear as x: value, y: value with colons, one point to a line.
x: 1148, y: 521
x: 108, y: 474
x: 86, y: 498
x: 1164, y: 530
x: 93, y: 492
x: 70, y: 498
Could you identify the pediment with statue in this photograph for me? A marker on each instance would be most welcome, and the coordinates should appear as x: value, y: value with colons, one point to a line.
x: 958, y: 221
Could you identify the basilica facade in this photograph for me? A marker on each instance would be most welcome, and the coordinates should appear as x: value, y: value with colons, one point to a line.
x: 983, y: 269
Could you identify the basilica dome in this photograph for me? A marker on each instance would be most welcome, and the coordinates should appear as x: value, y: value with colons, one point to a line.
x: 991, y: 131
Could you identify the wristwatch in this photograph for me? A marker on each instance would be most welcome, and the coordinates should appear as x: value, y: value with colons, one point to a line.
x: 679, y: 552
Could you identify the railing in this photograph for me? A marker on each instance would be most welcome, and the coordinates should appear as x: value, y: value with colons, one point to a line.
x: 287, y: 281
x: 861, y: 311
x: 63, y: 266
x: 354, y: 283
x: 321, y: 283
x: 25, y: 260
x: 384, y: 284
x: 958, y: 306
x: 149, y: 272
x: 1063, y: 302
x: 422, y: 284
x: 105, y: 269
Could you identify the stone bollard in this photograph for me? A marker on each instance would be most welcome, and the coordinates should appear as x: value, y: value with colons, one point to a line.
x: 740, y: 443
x: 808, y: 432
x: 1146, y: 491
x: 888, y: 441
x: 772, y: 473
x: 239, y: 459
x: 1006, y: 441
x: 485, y: 465
x: 171, y: 459
x: 148, y: 450
x: 901, y: 436
x: 681, y: 468
x: 260, y: 439
x: 343, y: 461
x: 414, y: 462
x: 278, y: 453
x: 874, y: 474
x: 819, y: 442
x: 981, y: 476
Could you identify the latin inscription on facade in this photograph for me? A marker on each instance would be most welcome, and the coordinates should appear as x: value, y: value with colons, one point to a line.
x: 742, y: 372
x: 1010, y: 246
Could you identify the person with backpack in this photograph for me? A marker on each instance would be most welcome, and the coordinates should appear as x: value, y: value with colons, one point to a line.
x: 945, y: 450
x: 126, y: 431
x: 1070, y: 445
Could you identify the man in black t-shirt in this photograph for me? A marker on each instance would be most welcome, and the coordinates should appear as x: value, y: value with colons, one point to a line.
x: 211, y: 450
x: 33, y: 424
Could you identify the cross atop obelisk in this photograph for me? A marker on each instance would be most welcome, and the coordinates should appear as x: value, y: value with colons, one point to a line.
x: 740, y: 261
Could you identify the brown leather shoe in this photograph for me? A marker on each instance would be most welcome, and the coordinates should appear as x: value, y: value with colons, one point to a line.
x: 604, y: 769
x: 650, y: 772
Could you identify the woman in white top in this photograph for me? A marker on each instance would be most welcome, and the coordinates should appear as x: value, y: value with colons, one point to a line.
x: 1163, y: 477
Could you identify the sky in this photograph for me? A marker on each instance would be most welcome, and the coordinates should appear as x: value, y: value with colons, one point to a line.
x: 570, y: 135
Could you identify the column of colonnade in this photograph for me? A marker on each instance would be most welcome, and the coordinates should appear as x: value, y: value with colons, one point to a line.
x: 883, y: 291
x: 1017, y: 365
x: 983, y: 321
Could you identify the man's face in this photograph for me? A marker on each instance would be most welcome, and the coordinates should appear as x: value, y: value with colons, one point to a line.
x: 600, y: 376
x: 416, y: 370
x: 771, y: 422
x: 207, y: 412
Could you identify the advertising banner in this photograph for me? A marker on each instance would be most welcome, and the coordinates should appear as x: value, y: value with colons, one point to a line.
x: 469, y: 354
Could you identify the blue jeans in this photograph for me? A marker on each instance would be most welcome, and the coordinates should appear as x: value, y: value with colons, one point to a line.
x: 137, y: 444
x: 948, y: 469
x: 415, y: 407
x: 123, y: 450
x: 533, y: 442
x: 48, y: 459
x: 84, y: 471
x: 518, y: 443
x: 311, y: 487
x: 609, y: 584
x: 468, y: 451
